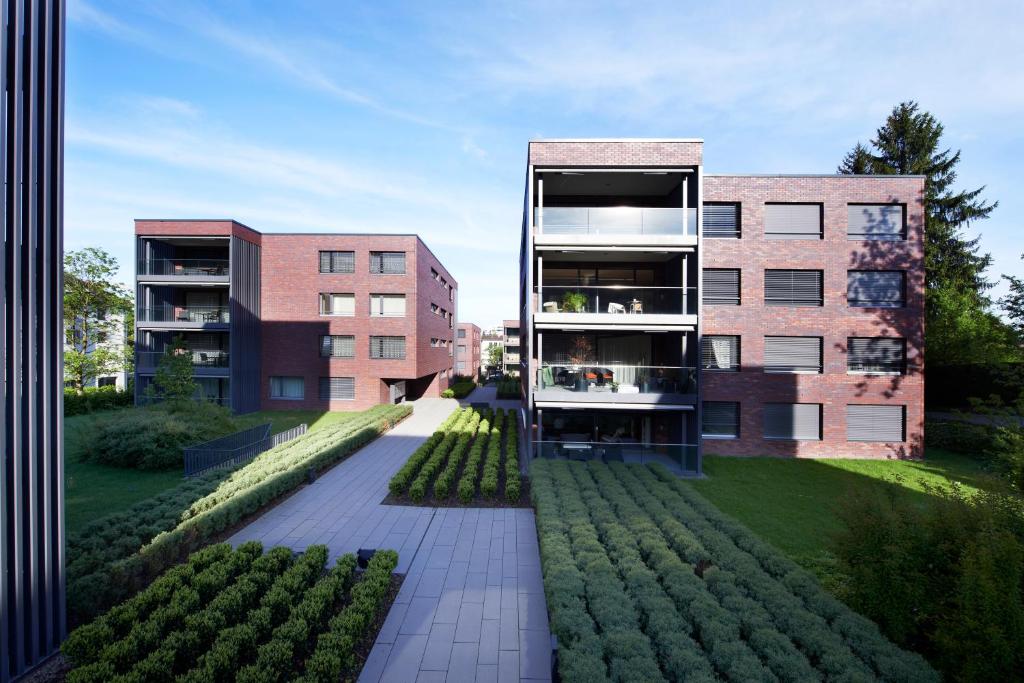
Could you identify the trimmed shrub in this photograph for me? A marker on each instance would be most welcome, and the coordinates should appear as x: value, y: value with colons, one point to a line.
x: 95, y: 399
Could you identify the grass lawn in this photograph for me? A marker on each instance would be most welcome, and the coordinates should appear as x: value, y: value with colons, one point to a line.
x: 92, y: 490
x: 791, y: 503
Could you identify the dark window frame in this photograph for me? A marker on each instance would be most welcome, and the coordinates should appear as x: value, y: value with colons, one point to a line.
x: 337, y: 261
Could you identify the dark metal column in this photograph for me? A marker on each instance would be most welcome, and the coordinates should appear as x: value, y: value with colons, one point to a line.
x: 32, y: 474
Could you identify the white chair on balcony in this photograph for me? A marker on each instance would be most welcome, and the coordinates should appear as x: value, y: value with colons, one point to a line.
x: 551, y: 307
x: 616, y: 308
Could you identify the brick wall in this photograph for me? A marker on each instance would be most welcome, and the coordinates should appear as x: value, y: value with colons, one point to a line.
x: 615, y: 153
x: 834, y: 321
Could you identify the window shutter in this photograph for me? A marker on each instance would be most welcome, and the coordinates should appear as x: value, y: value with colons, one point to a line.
x: 874, y: 222
x: 338, y: 346
x: 387, y: 347
x: 722, y: 220
x: 720, y: 352
x: 792, y: 354
x: 325, y: 261
x: 876, y: 354
x: 343, y: 262
x: 722, y: 286
x: 793, y: 288
x: 792, y: 421
x: 875, y: 288
x: 792, y: 221
x: 875, y: 423
x: 721, y: 419
x: 337, y: 388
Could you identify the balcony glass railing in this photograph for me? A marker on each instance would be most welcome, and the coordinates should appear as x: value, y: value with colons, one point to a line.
x: 184, y: 314
x: 678, y: 457
x: 200, y: 359
x: 618, y: 299
x: 616, y: 220
x: 184, y: 267
x: 621, y: 378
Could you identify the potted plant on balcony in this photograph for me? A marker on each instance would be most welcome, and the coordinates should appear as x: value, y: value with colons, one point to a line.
x: 615, y: 387
x: 580, y: 353
x: 574, y: 302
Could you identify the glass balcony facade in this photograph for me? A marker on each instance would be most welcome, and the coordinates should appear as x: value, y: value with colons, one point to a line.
x: 184, y: 267
x: 616, y: 378
x: 199, y: 314
x: 616, y: 220
x: 618, y: 299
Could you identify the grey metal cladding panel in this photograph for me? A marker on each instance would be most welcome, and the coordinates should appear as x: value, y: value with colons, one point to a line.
x: 793, y: 421
x: 793, y: 221
x: 32, y: 478
x: 245, y: 339
x: 875, y: 222
x: 792, y: 354
x: 875, y: 423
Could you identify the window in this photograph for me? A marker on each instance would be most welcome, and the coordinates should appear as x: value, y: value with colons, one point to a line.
x: 720, y: 352
x: 338, y: 346
x: 288, y: 388
x: 337, y: 388
x: 435, y: 309
x: 875, y: 222
x: 387, y: 347
x: 387, y: 305
x: 793, y: 288
x: 462, y: 334
x: 792, y: 354
x: 875, y: 423
x: 337, y: 262
x: 722, y: 220
x: 792, y: 421
x: 387, y: 262
x: 884, y: 355
x: 461, y: 348
x: 722, y: 286
x: 721, y: 420
x: 106, y: 382
x: 876, y: 288
x: 462, y: 365
x: 337, y: 304
x: 434, y: 274
x: 793, y: 221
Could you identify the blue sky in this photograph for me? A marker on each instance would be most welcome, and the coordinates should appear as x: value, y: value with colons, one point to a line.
x: 414, y: 117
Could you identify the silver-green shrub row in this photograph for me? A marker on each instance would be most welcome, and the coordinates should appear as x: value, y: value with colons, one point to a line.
x: 715, y: 601
x: 513, y: 478
x: 489, y: 476
x: 113, y: 557
x: 456, y: 438
x: 467, y: 482
x: 400, y: 480
x: 445, y: 479
x: 237, y: 616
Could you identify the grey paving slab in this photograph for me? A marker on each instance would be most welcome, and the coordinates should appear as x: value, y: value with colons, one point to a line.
x: 472, y: 604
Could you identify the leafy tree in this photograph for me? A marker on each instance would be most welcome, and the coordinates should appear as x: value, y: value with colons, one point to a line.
x: 95, y: 309
x: 173, y: 378
x: 494, y: 355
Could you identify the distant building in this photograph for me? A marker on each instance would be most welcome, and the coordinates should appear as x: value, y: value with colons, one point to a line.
x: 467, y: 349
x: 510, y: 345
x: 115, y: 338
x: 494, y: 336
x: 276, y: 321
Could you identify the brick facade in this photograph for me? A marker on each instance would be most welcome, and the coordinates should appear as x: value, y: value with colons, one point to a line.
x: 467, y: 349
x: 834, y: 322
x: 615, y: 153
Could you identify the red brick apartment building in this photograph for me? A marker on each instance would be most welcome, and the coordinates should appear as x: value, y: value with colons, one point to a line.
x: 467, y: 350
x: 278, y: 321
x: 667, y: 312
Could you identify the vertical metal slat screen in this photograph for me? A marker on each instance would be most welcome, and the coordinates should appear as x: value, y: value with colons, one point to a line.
x: 721, y: 286
x: 875, y: 423
x: 792, y: 354
x: 792, y: 221
x: 32, y: 481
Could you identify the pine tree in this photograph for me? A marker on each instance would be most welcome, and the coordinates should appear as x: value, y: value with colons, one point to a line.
x: 909, y: 144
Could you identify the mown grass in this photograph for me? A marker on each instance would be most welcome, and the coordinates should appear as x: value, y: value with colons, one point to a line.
x: 791, y: 503
x: 92, y: 490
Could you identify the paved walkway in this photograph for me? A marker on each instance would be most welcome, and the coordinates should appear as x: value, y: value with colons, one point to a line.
x: 472, y: 605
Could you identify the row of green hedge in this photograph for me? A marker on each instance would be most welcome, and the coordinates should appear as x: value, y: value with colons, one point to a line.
x: 509, y: 388
x: 453, y: 454
x: 459, y: 389
x: 95, y: 399
x: 114, y: 556
x: 236, y: 615
x: 647, y: 581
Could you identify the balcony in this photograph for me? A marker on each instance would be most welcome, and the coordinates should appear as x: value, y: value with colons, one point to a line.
x: 616, y: 220
x: 186, y: 316
x: 616, y: 306
x: 206, y: 362
x: 184, y: 269
x: 680, y: 458
x: 617, y: 383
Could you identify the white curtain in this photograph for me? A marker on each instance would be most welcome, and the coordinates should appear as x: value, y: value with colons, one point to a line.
x: 621, y: 355
x: 721, y: 348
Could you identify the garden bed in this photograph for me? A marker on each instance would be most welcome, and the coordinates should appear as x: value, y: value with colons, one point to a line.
x: 241, y: 615
x: 471, y: 460
x: 117, y: 555
x: 646, y: 580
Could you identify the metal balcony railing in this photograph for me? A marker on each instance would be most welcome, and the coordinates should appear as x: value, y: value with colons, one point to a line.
x: 184, y: 267
x: 200, y: 358
x: 616, y: 378
x: 618, y: 299
x: 616, y: 220
x: 185, y: 314
x: 680, y: 457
